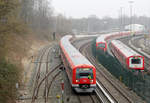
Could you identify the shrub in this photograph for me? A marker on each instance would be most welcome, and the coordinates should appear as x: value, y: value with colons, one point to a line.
x: 9, y: 76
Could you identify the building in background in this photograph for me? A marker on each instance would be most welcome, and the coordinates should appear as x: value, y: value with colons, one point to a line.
x: 135, y: 27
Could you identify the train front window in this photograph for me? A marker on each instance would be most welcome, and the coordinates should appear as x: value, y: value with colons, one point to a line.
x: 101, y: 45
x: 136, y: 61
x: 84, y: 73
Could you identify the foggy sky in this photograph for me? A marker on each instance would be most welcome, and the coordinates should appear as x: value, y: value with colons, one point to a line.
x: 101, y: 8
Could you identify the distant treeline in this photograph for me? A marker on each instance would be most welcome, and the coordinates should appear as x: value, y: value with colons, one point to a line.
x: 95, y: 24
x: 40, y: 16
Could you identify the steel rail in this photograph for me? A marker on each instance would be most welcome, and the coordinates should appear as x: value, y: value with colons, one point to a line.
x: 46, y: 76
x: 38, y: 74
x: 93, y: 61
x: 49, y: 86
x: 46, y: 80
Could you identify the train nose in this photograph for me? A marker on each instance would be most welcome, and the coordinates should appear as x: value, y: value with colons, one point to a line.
x: 84, y: 80
x: 84, y: 86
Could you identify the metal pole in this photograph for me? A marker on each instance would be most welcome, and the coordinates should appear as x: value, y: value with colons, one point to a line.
x: 121, y: 18
x: 88, y: 25
x: 62, y: 85
x: 56, y: 24
x: 62, y: 91
x: 131, y: 16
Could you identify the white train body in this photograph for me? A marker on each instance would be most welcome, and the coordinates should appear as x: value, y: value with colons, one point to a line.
x: 126, y: 56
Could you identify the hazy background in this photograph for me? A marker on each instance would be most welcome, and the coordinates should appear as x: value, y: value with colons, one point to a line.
x: 101, y: 8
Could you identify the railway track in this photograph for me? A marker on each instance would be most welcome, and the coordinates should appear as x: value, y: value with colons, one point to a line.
x: 34, y: 96
x: 113, y: 93
x: 72, y: 97
x: 87, y: 98
x: 41, y: 77
x: 100, y: 95
x: 46, y: 80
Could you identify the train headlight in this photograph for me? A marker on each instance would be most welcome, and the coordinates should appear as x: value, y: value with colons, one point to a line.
x: 77, y: 80
x: 91, y: 81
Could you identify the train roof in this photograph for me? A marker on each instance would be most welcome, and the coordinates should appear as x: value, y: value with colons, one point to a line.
x: 102, y: 38
x: 74, y: 57
x: 124, y: 48
x: 80, y: 36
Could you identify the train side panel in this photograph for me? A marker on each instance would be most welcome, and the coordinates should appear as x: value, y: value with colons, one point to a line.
x: 105, y: 37
x: 73, y: 61
x: 127, y: 56
x: 67, y: 67
x: 119, y: 55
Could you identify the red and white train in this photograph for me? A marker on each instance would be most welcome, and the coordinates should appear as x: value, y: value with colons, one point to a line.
x: 126, y: 56
x: 81, y: 73
x: 101, y: 41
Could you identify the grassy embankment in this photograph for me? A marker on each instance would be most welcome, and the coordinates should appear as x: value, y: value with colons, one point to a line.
x: 16, y: 39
